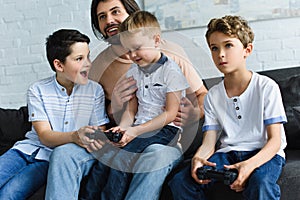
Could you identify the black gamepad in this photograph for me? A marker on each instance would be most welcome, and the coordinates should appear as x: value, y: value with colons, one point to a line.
x: 112, y: 136
x: 228, y: 176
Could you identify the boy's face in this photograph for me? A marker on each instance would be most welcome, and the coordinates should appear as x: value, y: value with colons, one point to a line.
x: 143, y: 50
x: 228, y: 53
x: 111, y: 14
x: 77, y: 65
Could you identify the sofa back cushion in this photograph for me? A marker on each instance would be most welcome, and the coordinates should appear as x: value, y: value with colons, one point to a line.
x: 13, y: 126
x: 290, y: 91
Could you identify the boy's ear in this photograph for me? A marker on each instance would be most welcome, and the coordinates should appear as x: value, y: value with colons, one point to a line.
x: 248, y: 49
x: 58, y: 65
x: 156, y: 38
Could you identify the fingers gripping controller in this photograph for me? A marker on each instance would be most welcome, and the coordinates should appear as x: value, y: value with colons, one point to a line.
x: 112, y: 136
x: 228, y: 176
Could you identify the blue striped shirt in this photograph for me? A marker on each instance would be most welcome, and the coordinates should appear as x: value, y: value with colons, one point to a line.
x: 49, y: 101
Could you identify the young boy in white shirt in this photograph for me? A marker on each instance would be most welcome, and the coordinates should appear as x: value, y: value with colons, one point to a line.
x: 245, y: 112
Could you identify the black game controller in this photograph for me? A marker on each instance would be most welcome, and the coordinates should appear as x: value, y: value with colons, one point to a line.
x: 228, y: 176
x: 112, y: 136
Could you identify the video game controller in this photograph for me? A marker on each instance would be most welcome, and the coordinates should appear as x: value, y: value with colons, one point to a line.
x: 112, y: 136
x: 228, y: 176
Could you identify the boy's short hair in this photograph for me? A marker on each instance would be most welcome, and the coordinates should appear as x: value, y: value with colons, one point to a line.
x: 130, y: 6
x: 233, y: 26
x: 58, y: 44
x: 141, y: 21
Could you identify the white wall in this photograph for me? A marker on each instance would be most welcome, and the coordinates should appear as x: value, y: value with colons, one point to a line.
x: 276, y: 45
x: 24, y: 25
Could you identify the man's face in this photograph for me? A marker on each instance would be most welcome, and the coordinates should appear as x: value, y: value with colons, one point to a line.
x: 111, y: 14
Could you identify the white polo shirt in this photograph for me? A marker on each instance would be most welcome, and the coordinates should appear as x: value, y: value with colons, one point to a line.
x: 153, y: 85
x: 243, y: 119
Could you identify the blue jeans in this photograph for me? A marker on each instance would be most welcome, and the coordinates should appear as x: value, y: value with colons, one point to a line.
x: 261, y: 184
x: 116, y: 173
x: 69, y: 163
x: 21, y: 174
x: 158, y: 161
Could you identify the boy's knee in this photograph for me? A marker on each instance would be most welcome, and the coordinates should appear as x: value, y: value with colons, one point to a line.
x: 63, y: 152
x: 259, y: 181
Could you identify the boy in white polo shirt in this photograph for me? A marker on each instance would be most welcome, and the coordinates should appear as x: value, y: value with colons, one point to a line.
x: 245, y: 112
x: 148, y: 117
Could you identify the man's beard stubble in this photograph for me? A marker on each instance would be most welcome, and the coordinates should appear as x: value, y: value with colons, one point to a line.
x: 114, y: 40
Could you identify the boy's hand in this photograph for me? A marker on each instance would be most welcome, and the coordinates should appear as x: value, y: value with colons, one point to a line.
x: 244, y: 171
x: 198, y: 162
x: 80, y: 138
x: 95, y: 146
x: 128, y: 135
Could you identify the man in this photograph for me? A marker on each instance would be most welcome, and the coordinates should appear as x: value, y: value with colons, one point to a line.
x: 108, y: 69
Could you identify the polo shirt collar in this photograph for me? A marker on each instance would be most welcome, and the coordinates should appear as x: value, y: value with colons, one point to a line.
x: 153, y: 67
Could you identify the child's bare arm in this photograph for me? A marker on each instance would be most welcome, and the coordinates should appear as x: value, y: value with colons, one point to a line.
x: 129, y: 113
x: 270, y: 149
x: 204, y: 152
x: 172, y: 105
x: 52, y: 138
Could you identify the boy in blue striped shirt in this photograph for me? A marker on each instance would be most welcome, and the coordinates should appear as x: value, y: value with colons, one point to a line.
x: 63, y: 108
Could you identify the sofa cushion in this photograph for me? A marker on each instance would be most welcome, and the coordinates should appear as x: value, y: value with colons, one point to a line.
x: 296, y: 112
x: 290, y: 91
x: 13, y: 126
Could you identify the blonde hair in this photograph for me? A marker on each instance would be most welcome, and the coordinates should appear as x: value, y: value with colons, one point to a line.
x: 141, y: 21
x: 233, y: 26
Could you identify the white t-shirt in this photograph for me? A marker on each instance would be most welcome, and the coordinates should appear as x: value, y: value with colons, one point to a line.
x: 153, y: 86
x: 243, y: 119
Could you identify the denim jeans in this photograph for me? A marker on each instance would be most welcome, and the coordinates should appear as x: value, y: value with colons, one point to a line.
x: 261, y: 184
x: 111, y: 178
x: 21, y: 174
x: 69, y: 163
x: 156, y: 162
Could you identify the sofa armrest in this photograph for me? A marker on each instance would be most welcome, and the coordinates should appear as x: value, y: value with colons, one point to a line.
x: 13, y: 126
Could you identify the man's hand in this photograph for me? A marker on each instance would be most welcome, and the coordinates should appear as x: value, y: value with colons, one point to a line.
x: 123, y: 91
x: 187, y: 113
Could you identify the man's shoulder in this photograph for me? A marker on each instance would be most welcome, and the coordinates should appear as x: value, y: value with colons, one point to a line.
x: 172, y: 49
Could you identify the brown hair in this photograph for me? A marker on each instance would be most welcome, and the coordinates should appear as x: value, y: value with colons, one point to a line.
x: 141, y: 21
x: 233, y: 26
